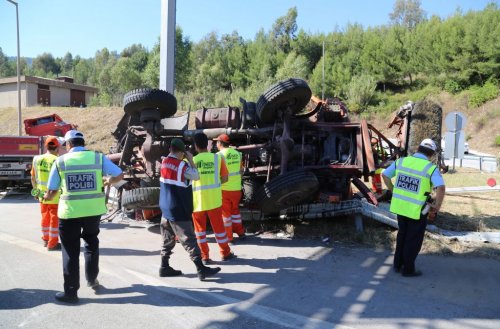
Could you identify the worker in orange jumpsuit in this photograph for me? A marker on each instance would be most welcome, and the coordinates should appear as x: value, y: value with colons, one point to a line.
x: 231, y: 190
x: 39, y: 176
x: 207, y: 198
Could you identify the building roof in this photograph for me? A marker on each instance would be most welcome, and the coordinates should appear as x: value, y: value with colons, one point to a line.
x: 49, y: 82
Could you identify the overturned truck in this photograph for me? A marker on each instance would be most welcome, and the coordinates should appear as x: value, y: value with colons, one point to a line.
x: 302, y: 155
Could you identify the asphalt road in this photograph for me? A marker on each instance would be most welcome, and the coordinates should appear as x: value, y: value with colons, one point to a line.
x: 274, y: 283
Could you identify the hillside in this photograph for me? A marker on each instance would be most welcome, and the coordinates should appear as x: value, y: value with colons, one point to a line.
x: 98, y: 122
x: 483, y: 123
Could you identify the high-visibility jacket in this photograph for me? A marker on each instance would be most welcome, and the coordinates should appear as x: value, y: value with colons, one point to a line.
x: 207, y: 192
x: 413, y: 181
x: 41, y: 168
x: 233, y: 163
x: 176, y: 196
x: 81, y: 184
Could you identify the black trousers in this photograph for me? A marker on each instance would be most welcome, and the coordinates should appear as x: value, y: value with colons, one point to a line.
x: 184, y: 231
x: 70, y: 232
x: 409, y: 242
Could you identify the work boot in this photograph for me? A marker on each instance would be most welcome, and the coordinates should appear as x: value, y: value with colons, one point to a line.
x: 93, y: 284
x: 412, y: 274
x: 204, y: 271
x: 229, y: 256
x: 54, y: 248
x: 169, y: 271
x: 67, y: 298
x: 166, y: 270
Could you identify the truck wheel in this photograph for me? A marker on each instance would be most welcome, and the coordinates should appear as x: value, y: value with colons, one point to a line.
x: 426, y: 122
x: 249, y: 116
x: 293, y: 93
x: 138, y: 99
x: 250, y: 188
x: 289, y: 189
x: 141, y: 198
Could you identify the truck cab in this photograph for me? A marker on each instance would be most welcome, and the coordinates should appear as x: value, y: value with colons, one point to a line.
x: 51, y: 124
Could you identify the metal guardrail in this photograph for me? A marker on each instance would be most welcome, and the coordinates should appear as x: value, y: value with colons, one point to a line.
x: 483, y: 163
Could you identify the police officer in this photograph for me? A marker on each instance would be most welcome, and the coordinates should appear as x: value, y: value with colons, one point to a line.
x: 207, y: 198
x: 39, y: 176
x: 231, y: 190
x: 176, y: 203
x: 415, y: 178
x: 80, y: 176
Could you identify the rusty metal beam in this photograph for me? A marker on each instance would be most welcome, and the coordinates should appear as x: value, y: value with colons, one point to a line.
x: 367, y: 147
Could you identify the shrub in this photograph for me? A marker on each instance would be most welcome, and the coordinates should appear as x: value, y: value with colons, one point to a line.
x: 480, y: 95
x: 497, y: 140
x: 360, y: 92
x: 452, y: 86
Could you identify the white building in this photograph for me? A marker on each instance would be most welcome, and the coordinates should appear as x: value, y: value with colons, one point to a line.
x: 42, y: 91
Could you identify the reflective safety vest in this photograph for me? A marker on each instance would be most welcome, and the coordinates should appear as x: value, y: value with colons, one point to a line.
x: 176, y: 195
x: 41, y: 165
x: 413, y: 180
x: 233, y: 163
x: 81, y: 183
x: 172, y: 172
x: 207, y: 192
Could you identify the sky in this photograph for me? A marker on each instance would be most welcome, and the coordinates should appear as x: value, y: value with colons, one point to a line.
x: 84, y: 26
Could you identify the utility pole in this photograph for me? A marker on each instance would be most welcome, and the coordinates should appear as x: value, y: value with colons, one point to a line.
x: 167, y: 46
x: 323, y: 81
x: 18, y: 71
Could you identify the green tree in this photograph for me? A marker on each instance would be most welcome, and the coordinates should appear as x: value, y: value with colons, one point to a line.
x: 294, y: 66
x: 66, y: 64
x: 46, y: 65
x: 262, y: 62
x: 5, y: 66
x: 83, y: 71
x: 283, y: 31
x: 360, y: 92
x: 124, y: 76
x: 183, y: 61
x: 151, y: 73
x: 138, y: 56
x: 407, y: 13
x: 309, y: 46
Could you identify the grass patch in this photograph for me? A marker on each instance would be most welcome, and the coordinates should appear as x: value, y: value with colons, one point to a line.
x: 463, y: 177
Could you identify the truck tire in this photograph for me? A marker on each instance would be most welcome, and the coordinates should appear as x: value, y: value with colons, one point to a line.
x: 141, y: 198
x: 290, y: 189
x: 138, y: 99
x: 426, y: 121
x: 249, y: 115
x: 250, y: 188
x: 293, y: 93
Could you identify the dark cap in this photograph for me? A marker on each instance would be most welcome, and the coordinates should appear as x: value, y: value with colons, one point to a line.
x: 223, y: 138
x: 178, y: 144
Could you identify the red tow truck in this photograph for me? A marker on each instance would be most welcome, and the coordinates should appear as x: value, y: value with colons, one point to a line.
x: 17, y: 152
